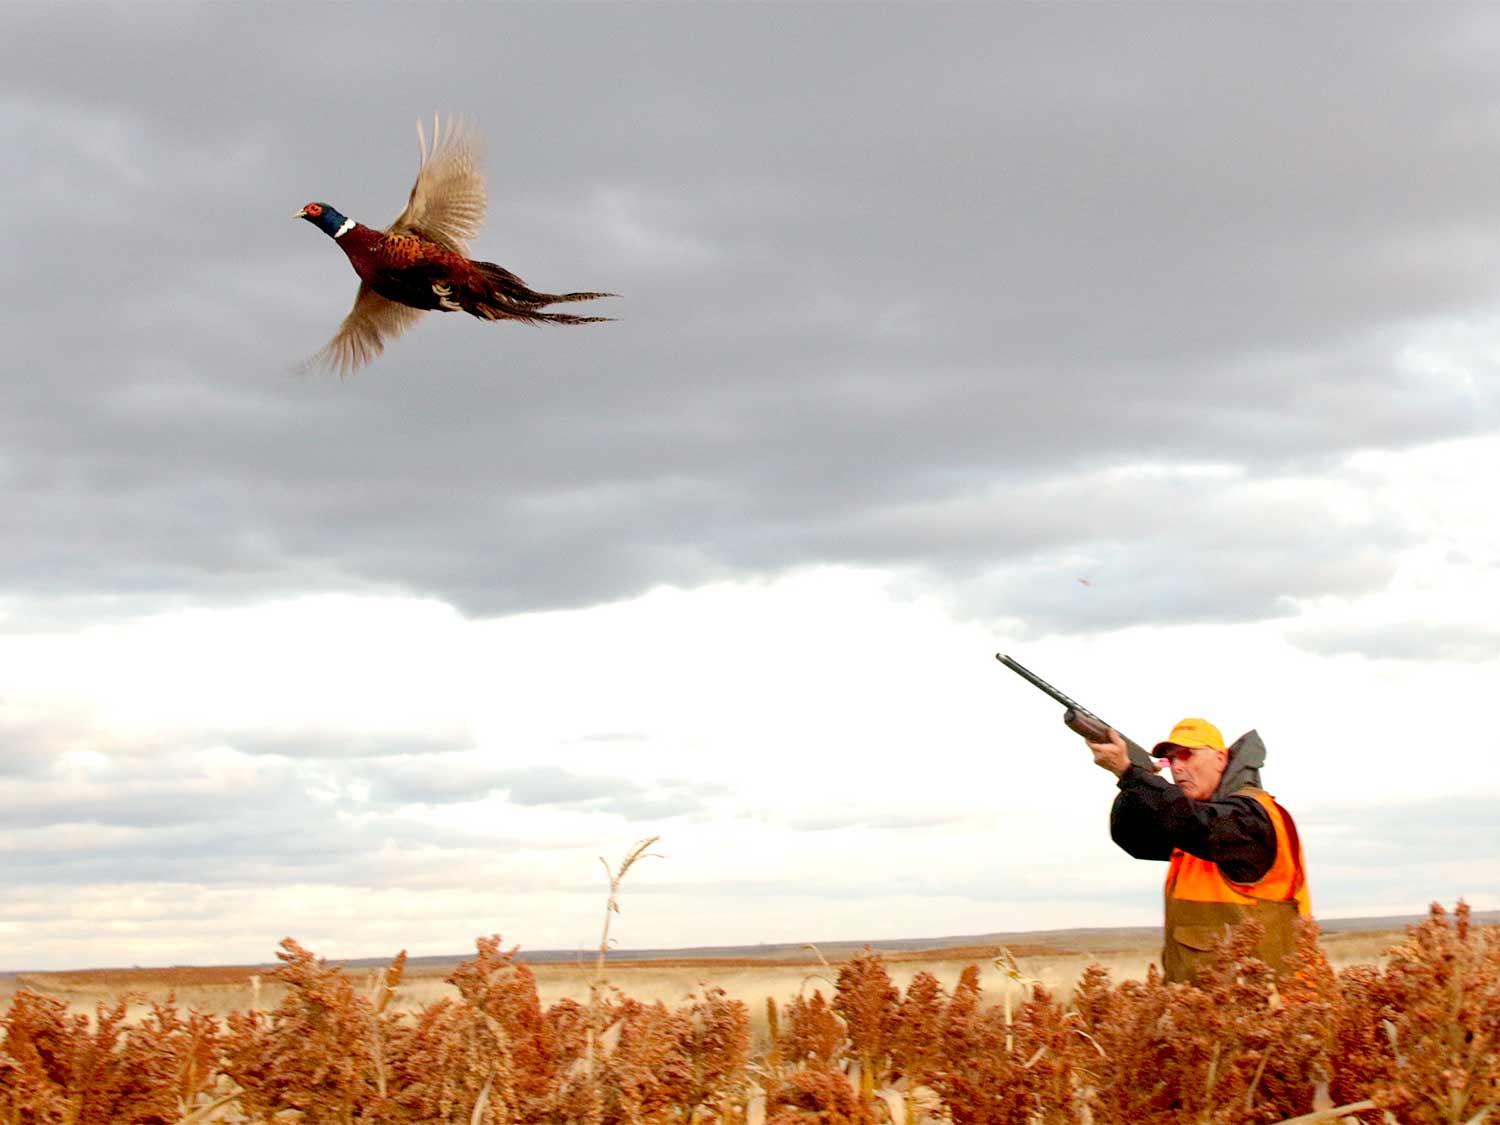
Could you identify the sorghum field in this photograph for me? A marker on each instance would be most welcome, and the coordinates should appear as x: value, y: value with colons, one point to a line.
x: 1415, y: 1038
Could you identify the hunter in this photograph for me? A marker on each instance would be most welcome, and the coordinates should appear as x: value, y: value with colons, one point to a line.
x: 1233, y: 850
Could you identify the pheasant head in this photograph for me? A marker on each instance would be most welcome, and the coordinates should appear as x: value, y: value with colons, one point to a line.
x: 330, y: 221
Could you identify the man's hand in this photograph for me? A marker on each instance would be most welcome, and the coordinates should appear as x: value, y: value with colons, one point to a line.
x: 1112, y: 755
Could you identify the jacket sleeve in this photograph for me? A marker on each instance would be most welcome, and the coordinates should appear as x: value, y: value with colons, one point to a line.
x: 1151, y: 817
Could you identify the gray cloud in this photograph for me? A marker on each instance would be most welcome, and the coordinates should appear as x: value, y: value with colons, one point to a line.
x: 266, y: 844
x: 450, y: 779
x: 440, y: 780
x: 31, y: 738
x: 172, y: 783
x: 1436, y: 849
x: 319, y: 743
x: 896, y: 819
x: 35, y: 741
x: 217, y: 817
x: 252, y: 806
x: 1408, y: 833
x: 1475, y: 641
x: 878, y: 269
x: 545, y: 785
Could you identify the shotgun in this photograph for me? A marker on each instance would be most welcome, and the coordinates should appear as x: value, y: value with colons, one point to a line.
x: 1078, y: 718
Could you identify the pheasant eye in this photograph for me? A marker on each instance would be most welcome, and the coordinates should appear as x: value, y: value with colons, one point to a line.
x: 313, y: 209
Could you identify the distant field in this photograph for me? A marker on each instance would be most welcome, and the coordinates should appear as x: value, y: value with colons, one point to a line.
x: 1055, y: 960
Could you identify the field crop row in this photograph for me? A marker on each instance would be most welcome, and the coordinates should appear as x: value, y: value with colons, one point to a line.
x: 1413, y: 1040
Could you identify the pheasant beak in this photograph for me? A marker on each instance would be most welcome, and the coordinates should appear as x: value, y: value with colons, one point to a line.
x: 302, y: 214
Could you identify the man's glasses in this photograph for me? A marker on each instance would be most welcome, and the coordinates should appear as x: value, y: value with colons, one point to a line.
x: 1178, y: 754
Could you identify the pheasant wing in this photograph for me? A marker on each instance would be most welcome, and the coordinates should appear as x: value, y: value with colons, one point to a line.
x: 447, y: 202
x: 371, y: 322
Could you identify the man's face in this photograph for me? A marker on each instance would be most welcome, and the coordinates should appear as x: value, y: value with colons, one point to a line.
x: 1196, y: 770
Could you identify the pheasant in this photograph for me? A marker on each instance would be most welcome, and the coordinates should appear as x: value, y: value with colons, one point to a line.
x: 421, y: 260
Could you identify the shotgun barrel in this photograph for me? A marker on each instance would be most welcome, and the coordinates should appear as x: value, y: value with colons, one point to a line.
x: 1078, y: 718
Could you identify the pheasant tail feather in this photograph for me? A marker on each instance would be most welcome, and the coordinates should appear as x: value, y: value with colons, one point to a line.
x: 501, y: 295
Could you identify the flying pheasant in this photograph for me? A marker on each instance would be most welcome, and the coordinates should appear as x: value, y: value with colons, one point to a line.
x: 421, y: 260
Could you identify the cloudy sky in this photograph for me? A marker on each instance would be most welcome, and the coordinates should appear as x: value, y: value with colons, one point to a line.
x: 1154, y: 345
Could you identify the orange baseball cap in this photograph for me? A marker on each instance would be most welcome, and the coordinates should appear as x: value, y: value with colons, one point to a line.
x: 1191, y: 733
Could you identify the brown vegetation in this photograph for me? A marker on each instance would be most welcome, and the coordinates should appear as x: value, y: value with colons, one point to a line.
x: 1415, y: 1040
x: 171, y: 977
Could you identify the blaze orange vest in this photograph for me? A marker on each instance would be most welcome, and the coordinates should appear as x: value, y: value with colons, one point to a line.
x: 1202, y: 902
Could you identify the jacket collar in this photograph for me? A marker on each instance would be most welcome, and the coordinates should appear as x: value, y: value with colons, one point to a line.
x: 1246, y: 755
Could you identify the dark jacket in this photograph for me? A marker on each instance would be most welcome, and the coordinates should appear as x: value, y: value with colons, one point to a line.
x: 1151, y: 816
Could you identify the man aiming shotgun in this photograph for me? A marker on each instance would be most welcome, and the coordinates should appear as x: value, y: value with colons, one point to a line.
x: 1233, y: 852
